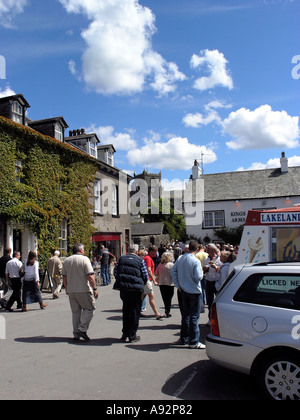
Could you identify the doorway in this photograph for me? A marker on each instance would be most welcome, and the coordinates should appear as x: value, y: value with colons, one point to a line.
x: 17, y: 240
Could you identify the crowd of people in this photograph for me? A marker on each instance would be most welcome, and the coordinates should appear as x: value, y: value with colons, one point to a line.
x: 19, y: 279
x: 197, y: 271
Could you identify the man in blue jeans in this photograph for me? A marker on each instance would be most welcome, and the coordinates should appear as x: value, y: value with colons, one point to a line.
x: 187, y: 275
x: 104, y: 259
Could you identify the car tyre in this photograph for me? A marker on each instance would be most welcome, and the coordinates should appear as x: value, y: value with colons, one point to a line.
x: 279, y: 376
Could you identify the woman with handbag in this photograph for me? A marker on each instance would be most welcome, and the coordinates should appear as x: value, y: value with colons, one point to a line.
x: 31, y: 282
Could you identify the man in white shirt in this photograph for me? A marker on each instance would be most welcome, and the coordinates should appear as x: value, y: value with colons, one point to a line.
x: 12, y: 274
x: 80, y: 285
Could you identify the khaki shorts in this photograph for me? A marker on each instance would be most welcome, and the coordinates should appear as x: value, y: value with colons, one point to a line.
x: 148, y: 287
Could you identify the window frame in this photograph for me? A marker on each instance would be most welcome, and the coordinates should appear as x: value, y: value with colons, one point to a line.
x: 98, y: 196
x: 114, y: 200
x: 250, y: 293
x: 214, y: 216
x: 58, y: 132
x: 63, y: 237
x: 17, y: 112
x: 18, y: 170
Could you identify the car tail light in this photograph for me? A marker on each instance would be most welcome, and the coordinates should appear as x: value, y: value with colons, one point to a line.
x: 214, y: 321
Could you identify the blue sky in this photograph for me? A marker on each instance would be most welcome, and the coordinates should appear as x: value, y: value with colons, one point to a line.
x: 165, y: 81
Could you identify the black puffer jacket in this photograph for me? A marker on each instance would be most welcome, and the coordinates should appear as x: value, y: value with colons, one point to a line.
x: 130, y: 273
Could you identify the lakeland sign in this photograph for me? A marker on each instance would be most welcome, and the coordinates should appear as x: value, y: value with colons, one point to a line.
x: 280, y: 218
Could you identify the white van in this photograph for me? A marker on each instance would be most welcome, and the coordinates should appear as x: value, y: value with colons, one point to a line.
x: 270, y: 235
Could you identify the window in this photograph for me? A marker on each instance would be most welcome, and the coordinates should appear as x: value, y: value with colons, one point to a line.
x: 63, y: 236
x: 114, y: 200
x: 18, y: 170
x: 110, y: 158
x: 213, y: 219
x: 97, y: 197
x: 285, y: 244
x: 278, y: 290
x: 58, y: 132
x: 17, y: 112
x: 80, y: 143
x: 92, y: 148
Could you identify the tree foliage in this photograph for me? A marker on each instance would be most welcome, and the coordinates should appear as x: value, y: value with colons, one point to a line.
x: 161, y: 211
x: 54, y: 185
x: 230, y: 235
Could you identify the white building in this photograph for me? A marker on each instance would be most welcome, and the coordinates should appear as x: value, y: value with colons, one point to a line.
x: 228, y: 196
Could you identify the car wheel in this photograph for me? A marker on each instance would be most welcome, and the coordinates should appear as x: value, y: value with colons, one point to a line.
x: 279, y: 377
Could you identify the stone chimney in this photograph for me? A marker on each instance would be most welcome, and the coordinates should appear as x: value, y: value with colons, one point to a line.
x: 284, y: 163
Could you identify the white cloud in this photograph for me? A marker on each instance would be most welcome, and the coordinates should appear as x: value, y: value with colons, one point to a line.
x: 6, y: 92
x: 261, y: 129
x: 175, y: 154
x: 165, y: 74
x: 272, y: 163
x: 9, y: 8
x: 216, y: 64
x: 174, y: 184
x: 198, y: 119
x: 72, y: 67
x: 119, y: 58
x: 107, y: 135
x: 153, y: 136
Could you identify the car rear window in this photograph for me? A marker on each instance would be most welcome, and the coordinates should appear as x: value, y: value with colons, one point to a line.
x: 279, y: 290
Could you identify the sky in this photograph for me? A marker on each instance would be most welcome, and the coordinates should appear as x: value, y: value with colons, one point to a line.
x: 165, y: 81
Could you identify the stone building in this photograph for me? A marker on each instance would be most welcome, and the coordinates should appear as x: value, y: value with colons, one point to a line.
x: 229, y: 196
x: 100, y: 202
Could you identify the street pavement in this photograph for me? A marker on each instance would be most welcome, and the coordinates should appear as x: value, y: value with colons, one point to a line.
x: 40, y: 361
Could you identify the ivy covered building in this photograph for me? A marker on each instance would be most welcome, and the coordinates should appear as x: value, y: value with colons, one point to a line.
x: 50, y: 187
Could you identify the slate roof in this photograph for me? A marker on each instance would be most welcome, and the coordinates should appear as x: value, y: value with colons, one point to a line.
x: 266, y: 183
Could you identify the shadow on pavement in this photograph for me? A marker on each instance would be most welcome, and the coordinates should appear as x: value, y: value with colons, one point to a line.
x: 204, y: 380
x: 109, y: 341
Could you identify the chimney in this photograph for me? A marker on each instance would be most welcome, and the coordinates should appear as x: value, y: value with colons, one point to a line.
x: 284, y: 163
x: 196, y: 171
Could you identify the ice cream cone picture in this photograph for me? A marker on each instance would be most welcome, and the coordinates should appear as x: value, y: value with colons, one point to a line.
x: 255, y: 247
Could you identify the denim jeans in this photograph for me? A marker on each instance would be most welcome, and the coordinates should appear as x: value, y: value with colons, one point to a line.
x: 191, y: 307
x: 104, y: 274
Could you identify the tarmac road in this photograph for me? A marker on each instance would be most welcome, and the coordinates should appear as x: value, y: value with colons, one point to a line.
x: 40, y: 361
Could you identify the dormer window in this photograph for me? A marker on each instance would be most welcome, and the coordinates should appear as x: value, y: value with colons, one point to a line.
x: 53, y: 127
x: 106, y: 154
x: 14, y: 107
x: 110, y: 158
x: 17, y: 112
x: 86, y: 142
x: 58, y: 132
x: 92, y: 148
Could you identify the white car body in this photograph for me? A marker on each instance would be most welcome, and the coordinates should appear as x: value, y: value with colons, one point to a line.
x: 248, y: 333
